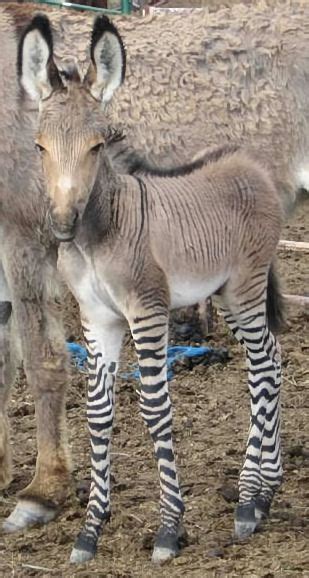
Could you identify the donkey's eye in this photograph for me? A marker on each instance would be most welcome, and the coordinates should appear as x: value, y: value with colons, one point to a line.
x: 96, y: 148
x: 39, y: 148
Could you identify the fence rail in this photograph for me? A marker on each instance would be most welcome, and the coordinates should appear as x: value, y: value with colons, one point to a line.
x: 125, y: 6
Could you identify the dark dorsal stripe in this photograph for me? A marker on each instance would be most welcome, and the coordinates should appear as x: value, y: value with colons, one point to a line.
x: 138, y: 164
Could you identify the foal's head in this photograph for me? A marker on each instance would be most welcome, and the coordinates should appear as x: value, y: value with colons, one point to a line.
x: 72, y: 127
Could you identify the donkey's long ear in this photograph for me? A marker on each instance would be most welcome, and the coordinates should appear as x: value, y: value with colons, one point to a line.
x: 37, y: 71
x: 108, y: 57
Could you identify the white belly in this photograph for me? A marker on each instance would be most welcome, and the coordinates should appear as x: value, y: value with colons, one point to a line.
x: 189, y: 290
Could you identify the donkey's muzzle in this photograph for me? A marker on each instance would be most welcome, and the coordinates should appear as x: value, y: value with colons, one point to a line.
x: 64, y: 229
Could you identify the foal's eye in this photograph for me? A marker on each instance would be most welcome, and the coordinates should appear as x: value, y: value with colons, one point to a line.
x: 39, y: 148
x: 96, y: 148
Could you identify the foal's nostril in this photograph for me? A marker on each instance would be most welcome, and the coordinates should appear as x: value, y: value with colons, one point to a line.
x: 74, y: 217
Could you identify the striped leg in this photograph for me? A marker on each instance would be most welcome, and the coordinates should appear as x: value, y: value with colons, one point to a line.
x: 103, y: 353
x: 271, y: 467
x: 261, y: 474
x: 150, y: 336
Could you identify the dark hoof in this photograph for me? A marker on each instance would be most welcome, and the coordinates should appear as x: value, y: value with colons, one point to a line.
x: 85, y: 549
x: 167, y: 544
x: 245, y: 520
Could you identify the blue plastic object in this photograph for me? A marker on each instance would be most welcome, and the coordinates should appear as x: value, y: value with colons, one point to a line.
x: 78, y: 354
x: 174, y: 353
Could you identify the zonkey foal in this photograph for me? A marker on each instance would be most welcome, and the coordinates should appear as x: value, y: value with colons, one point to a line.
x: 135, y: 246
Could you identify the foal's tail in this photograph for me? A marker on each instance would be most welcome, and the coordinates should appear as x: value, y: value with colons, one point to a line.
x: 275, y: 309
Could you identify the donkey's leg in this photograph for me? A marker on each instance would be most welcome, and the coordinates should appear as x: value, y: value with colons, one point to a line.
x: 258, y: 482
x: 8, y: 359
x: 150, y: 330
x: 45, y: 363
x: 103, y: 347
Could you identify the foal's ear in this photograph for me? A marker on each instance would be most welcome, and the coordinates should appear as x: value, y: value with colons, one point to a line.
x: 37, y: 71
x: 108, y: 60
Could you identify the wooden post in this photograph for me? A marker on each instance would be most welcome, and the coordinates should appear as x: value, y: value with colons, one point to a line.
x: 300, y: 300
x: 295, y: 246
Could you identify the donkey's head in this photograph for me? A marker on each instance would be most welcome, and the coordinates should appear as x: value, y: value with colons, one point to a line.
x: 72, y: 127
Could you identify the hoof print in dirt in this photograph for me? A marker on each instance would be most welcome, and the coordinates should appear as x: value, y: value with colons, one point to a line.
x: 229, y: 493
x: 298, y: 451
x: 216, y: 552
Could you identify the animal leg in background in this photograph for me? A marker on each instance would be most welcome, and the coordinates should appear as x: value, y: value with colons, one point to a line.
x: 45, y: 364
x: 103, y: 346
x: 8, y: 362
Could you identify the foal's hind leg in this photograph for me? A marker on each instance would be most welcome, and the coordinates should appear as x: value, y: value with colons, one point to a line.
x: 271, y: 468
x: 8, y: 360
x: 262, y: 473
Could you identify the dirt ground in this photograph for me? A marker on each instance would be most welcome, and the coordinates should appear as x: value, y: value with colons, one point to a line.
x: 210, y: 427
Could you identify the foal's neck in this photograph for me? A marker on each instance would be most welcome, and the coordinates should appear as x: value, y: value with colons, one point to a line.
x: 97, y: 222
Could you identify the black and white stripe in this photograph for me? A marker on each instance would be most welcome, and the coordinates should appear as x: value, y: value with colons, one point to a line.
x: 150, y: 337
x: 261, y: 474
x: 102, y: 370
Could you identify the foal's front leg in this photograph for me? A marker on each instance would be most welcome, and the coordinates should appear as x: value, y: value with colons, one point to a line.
x: 103, y: 346
x: 150, y: 331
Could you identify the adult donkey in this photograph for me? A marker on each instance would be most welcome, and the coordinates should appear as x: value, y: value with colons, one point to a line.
x: 28, y: 284
x: 220, y: 217
x: 221, y: 81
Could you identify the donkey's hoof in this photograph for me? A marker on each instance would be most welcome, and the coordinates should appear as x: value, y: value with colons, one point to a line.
x: 81, y: 556
x: 245, y: 521
x: 166, y: 546
x: 26, y: 514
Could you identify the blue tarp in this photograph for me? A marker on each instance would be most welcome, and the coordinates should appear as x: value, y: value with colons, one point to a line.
x: 174, y: 353
x: 78, y: 354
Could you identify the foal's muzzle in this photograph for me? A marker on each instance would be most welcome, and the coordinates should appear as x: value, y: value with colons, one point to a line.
x: 64, y: 229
